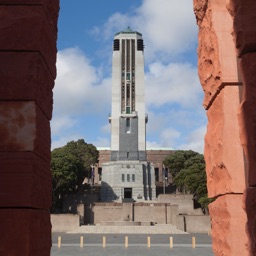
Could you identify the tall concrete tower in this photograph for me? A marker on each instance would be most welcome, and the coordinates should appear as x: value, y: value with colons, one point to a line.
x: 128, y: 176
x: 128, y: 120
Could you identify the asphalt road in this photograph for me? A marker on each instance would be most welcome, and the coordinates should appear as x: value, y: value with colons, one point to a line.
x: 137, y: 245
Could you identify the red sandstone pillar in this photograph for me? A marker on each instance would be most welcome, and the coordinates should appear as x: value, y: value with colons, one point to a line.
x: 224, y: 154
x: 243, y: 13
x: 28, y: 31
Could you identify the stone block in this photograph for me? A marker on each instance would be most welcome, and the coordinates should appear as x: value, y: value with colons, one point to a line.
x: 24, y: 162
x: 244, y: 16
x: 25, y: 76
x: 209, y: 68
x: 217, y: 62
x: 250, y: 208
x: 229, y: 226
x: 25, y: 181
x: 21, y: 126
x: 247, y: 116
x: 27, y: 29
x: 223, y: 26
x: 223, y: 151
x: 25, y: 232
x: 51, y: 8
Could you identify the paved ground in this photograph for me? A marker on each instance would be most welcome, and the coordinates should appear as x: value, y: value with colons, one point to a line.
x: 156, y: 229
x: 137, y: 245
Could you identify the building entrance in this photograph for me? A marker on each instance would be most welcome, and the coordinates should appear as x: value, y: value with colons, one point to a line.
x: 127, y: 193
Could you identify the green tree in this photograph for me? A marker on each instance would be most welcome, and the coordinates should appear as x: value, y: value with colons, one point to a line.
x: 176, y: 162
x: 188, y: 170
x: 70, y: 164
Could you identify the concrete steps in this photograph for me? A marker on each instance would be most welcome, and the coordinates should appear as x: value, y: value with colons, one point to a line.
x: 157, y: 229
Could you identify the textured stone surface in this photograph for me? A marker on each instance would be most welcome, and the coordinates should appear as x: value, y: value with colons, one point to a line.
x: 32, y: 32
x: 27, y: 71
x: 244, y: 16
x: 228, y: 220
x: 25, y: 76
x: 217, y: 62
x: 25, y: 181
x: 25, y: 232
x: 222, y: 145
x: 230, y: 140
x: 51, y: 9
x: 247, y: 115
x: 21, y: 126
x: 209, y: 68
x: 118, y: 175
x: 250, y: 208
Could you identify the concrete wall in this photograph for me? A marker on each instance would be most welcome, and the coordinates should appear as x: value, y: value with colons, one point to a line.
x: 185, y: 203
x: 64, y: 222
x: 139, y: 212
x: 194, y: 223
x: 71, y: 202
x: 111, y: 212
x: 156, y: 213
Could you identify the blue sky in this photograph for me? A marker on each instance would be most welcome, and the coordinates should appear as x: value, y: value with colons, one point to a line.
x: 82, y: 93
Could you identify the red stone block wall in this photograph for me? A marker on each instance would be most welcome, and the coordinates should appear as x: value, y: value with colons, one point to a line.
x: 226, y: 65
x: 28, y: 31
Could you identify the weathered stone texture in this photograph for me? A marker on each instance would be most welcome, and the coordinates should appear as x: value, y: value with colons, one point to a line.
x: 250, y: 206
x: 230, y: 140
x: 25, y: 77
x: 247, y: 115
x: 25, y: 180
x: 223, y: 152
x: 209, y: 69
x: 217, y: 64
x: 244, y: 16
x: 25, y: 232
x: 27, y: 72
x: 51, y: 9
x: 32, y: 32
x: 21, y: 126
x: 228, y: 219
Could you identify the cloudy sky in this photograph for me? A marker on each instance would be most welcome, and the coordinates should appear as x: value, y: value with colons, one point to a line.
x: 82, y: 93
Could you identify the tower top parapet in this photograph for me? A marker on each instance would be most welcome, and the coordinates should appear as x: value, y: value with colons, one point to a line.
x: 128, y: 31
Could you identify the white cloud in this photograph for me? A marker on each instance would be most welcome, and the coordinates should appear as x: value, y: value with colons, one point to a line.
x: 101, y: 142
x: 168, y: 137
x: 195, y: 140
x: 105, y: 128
x: 168, y: 27
x: 60, y: 123
x: 153, y: 144
x: 172, y: 83
x: 79, y: 87
x: 62, y: 140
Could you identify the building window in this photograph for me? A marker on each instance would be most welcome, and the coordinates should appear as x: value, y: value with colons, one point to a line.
x: 156, y: 174
x: 133, y: 177
x: 128, y: 177
x: 123, y: 178
x: 128, y: 76
x: 100, y: 173
x: 128, y: 125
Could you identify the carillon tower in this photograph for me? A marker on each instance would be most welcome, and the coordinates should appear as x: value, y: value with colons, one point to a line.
x: 128, y: 177
x: 128, y: 120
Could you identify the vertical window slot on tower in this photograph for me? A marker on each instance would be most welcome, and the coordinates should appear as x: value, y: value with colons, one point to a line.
x: 128, y: 125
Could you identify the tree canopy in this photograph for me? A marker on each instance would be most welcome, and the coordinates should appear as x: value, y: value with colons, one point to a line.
x: 188, y: 170
x: 70, y: 164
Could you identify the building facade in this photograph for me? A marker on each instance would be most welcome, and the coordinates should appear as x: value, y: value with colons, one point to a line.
x: 155, y: 156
